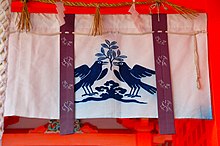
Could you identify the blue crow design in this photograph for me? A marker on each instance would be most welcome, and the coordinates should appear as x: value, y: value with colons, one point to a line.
x: 133, y: 78
x: 88, y: 76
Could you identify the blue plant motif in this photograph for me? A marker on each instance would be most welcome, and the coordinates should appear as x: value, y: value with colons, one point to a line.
x: 110, y: 53
x: 113, y: 53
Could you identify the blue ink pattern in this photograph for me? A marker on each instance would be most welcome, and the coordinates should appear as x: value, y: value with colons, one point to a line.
x: 112, y: 54
x: 133, y: 78
x: 111, y: 89
x: 88, y: 76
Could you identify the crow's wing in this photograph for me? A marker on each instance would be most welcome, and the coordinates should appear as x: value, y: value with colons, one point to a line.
x: 104, y: 72
x: 117, y: 74
x: 82, y: 71
x: 138, y: 72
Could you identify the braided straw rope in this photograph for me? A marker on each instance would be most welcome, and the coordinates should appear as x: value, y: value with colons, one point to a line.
x: 97, y: 27
x: 185, y: 12
x: 4, y: 34
x: 83, y: 4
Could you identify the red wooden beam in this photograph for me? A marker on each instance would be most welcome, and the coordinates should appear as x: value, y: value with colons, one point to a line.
x: 37, y: 7
x: 69, y: 140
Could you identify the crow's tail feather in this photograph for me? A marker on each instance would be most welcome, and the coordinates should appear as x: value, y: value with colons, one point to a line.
x: 149, y: 88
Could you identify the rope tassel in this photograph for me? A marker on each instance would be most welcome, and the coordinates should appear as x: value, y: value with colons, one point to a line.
x: 24, y: 21
x: 97, y: 23
x: 196, y: 61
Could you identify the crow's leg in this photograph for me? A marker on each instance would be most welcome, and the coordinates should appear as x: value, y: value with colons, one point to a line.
x: 88, y: 89
x: 130, y: 95
x: 136, y: 89
x: 136, y: 94
x: 133, y: 91
x: 92, y: 93
x: 84, y: 91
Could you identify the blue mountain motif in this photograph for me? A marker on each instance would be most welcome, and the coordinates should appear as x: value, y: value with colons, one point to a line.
x: 88, y: 76
x: 110, y: 90
x: 133, y: 78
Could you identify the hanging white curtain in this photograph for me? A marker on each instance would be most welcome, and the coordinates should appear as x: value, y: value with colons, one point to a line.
x: 33, y: 68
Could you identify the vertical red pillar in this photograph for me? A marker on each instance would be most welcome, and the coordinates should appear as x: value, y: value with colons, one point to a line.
x: 214, y: 53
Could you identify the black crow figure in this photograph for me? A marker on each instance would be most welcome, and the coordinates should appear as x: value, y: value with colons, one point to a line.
x: 88, y: 76
x: 133, y: 78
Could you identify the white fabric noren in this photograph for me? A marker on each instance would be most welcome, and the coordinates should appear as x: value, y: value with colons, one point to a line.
x: 33, y: 69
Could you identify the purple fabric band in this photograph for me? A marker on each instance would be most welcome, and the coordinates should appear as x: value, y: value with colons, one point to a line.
x: 163, y: 78
x: 67, y: 106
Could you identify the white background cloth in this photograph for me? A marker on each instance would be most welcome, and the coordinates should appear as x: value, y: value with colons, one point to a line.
x: 33, y: 69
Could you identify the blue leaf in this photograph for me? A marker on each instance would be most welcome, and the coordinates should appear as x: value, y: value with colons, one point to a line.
x: 102, y: 50
x: 104, y: 45
x: 123, y: 56
x: 101, y: 58
x: 113, y: 54
x: 118, y: 52
x: 114, y: 47
x: 113, y: 43
x: 119, y: 59
x: 107, y: 42
x: 99, y: 54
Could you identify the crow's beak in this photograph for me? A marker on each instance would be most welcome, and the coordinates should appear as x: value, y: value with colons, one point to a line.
x: 115, y: 63
x: 104, y: 62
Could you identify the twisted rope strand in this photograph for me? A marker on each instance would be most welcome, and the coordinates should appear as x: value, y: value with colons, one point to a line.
x: 96, y: 29
x: 196, y: 61
x: 185, y: 12
x: 83, y: 4
x: 114, y: 32
x: 4, y: 34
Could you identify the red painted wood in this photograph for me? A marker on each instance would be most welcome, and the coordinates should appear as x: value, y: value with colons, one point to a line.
x: 144, y: 139
x: 136, y: 124
x: 69, y: 140
x: 214, y: 53
x: 212, y: 134
x: 10, y: 120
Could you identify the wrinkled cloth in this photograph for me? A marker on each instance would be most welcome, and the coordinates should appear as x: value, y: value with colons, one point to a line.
x: 33, y: 68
